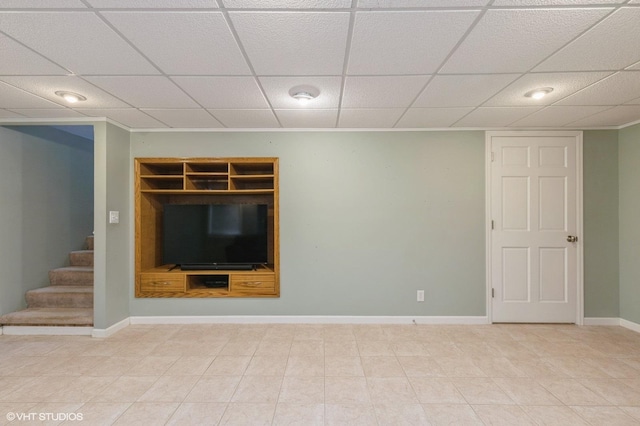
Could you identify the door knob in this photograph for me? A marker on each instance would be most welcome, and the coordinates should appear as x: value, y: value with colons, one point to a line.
x: 572, y: 238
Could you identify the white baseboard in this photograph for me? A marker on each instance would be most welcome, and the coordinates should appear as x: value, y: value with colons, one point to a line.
x: 305, y: 319
x: 630, y: 325
x: 613, y: 321
x: 17, y: 330
x: 274, y: 319
x: 601, y: 321
x: 106, y: 332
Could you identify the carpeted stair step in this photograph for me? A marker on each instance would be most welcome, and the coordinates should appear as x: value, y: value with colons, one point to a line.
x: 61, y: 297
x: 81, y: 258
x: 72, y: 276
x: 50, y: 317
x: 88, y: 242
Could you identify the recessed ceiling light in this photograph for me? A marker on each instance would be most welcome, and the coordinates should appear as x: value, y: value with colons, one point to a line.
x: 71, y: 97
x: 539, y: 93
x: 304, y: 94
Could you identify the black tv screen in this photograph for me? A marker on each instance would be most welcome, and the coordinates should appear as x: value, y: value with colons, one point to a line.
x: 214, y: 234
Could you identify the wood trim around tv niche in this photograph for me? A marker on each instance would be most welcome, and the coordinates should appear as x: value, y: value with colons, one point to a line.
x: 160, y: 181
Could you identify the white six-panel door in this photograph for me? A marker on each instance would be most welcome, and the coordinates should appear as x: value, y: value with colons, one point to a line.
x: 534, y: 212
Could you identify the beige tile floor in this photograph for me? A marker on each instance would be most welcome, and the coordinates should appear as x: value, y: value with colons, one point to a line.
x: 326, y: 374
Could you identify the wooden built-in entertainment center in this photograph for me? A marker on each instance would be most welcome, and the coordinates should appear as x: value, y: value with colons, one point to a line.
x: 162, y: 181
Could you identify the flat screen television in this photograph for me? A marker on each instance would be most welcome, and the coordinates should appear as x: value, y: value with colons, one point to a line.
x: 214, y: 236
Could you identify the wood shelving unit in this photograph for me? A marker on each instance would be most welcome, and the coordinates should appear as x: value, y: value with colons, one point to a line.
x: 161, y: 181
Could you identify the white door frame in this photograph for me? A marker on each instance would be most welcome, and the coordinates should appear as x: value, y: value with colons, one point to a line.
x: 579, y: 215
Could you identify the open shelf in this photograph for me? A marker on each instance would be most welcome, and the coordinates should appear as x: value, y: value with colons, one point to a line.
x: 162, y: 181
x: 243, y: 175
x: 208, y: 282
x: 161, y: 169
x: 207, y: 181
x: 244, y: 183
x: 212, y: 167
x: 248, y: 168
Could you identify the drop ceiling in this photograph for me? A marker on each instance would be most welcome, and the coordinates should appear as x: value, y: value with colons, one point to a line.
x: 152, y: 64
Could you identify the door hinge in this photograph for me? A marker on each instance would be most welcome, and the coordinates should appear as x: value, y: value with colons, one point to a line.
x: 493, y: 293
x: 492, y: 225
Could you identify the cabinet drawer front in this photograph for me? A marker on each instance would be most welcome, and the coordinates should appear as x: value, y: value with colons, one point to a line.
x: 249, y: 283
x: 161, y: 282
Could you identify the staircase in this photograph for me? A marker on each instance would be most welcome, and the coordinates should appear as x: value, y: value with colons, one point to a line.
x: 67, y: 301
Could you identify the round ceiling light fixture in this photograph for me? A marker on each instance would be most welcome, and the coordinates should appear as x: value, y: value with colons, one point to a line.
x: 71, y: 97
x: 539, y: 93
x: 304, y: 94
x: 303, y: 97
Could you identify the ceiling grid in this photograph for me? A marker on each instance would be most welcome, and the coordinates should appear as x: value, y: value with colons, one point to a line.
x: 373, y: 64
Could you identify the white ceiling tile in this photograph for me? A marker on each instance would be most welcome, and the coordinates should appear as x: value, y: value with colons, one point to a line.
x: 369, y: 118
x: 421, y: 3
x: 183, y: 43
x: 495, y: 117
x: 563, y: 84
x: 431, y: 117
x: 153, y: 4
x: 382, y: 92
x: 410, y: 50
x: 246, y: 118
x: 616, y: 41
x: 307, y: 118
x: 523, y: 3
x: 287, y: 4
x: 617, y: 89
x: 290, y: 43
x: 277, y: 91
x: 462, y: 90
x: 49, y: 113
x: 12, y: 98
x: 515, y: 40
x: 17, y: 59
x: 616, y: 116
x: 242, y: 65
x: 78, y: 41
x: 557, y: 116
x: 10, y: 114
x: 39, y: 4
x: 127, y: 116
x: 46, y: 86
x: 145, y: 92
x: 223, y: 92
x: 184, y: 118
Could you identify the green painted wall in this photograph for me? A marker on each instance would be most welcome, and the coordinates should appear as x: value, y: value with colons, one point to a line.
x: 379, y: 215
x: 629, y: 155
x: 366, y: 219
x: 374, y: 216
x: 113, y: 242
x: 600, y: 154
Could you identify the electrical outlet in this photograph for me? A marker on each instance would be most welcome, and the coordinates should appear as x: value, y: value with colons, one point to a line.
x: 420, y: 295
